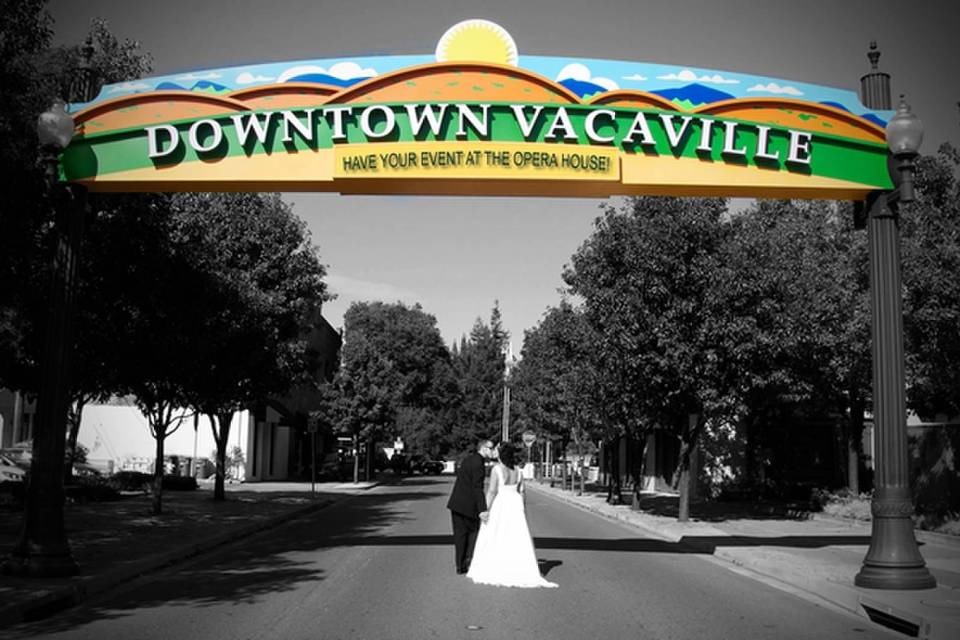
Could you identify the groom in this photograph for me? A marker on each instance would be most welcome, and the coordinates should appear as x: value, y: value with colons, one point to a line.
x: 467, y: 502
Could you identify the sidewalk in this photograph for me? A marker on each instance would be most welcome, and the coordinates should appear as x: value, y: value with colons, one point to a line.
x: 114, y: 542
x: 818, y: 556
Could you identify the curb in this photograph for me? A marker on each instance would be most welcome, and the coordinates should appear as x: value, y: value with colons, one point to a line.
x: 46, y: 603
x: 942, y: 539
x: 922, y: 535
x: 626, y: 518
x: 840, y: 594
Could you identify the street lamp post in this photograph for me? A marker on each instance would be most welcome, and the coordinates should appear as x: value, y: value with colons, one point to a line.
x: 42, y: 548
x: 893, y: 560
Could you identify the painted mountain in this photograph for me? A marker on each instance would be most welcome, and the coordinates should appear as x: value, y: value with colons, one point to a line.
x: 322, y: 78
x: 582, y: 87
x: 872, y: 117
x: 693, y: 95
x: 206, y: 85
x: 201, y: 85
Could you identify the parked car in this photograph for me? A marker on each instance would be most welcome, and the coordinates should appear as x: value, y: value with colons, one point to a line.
x: 10, y: 472
x: 434, y: 467
x: 423, y: 465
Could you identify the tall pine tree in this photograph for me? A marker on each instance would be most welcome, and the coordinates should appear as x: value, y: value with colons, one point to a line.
x: 480, y: 366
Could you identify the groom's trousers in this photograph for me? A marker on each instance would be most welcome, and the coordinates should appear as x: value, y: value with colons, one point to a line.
x: 465, y: 529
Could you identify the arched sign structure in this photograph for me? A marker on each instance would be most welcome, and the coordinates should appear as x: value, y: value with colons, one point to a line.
x: 477, y: 118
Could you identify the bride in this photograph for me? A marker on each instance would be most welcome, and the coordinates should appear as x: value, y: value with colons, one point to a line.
x: 504, y: 555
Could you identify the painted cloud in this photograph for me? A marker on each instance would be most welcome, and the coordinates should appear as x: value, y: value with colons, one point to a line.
x: 636, y: 76
x: 248, y: 78
x: 341, y: 70
x: 687, y: 75
x: 773, y: 87
x: 580, y: 72
x: 212, y: 75
x: 125, y: 87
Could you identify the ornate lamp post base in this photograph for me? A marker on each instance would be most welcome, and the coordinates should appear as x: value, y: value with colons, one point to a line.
x: 893, y: 560
x: 899, y: 577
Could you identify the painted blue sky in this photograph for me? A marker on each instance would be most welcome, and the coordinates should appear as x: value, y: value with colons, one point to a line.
x: 592, y: 74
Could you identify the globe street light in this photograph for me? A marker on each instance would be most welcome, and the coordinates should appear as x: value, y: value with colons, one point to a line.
x: 904, y: 137
x: 54, y: 129
x: 893, y: 560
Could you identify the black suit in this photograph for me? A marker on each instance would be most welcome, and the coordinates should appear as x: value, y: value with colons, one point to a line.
x: 466, y: 503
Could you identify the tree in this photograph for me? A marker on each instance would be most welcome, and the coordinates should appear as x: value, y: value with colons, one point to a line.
x: 395, y: 377
x: 258, y: 286
x: 94, y: 370
x: 645, y: 276
x: 366, y: 387
x: 32, y: 75
x: 554, y: 384
x: 796, y: 332
x: 931, y: 262
x: 480, y: 366
x: 29, y: 83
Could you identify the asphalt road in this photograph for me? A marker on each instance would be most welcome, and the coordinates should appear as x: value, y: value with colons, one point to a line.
x: 380, y: 566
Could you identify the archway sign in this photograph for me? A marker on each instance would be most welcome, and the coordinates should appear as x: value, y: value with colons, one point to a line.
x: 476, y: 118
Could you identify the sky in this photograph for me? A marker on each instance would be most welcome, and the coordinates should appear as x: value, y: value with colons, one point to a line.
x: 456, y: 256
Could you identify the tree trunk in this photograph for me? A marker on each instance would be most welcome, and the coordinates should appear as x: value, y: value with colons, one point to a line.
x: 356, y: 458
x: 74, y: 415
x: 681, y: 477
x: 636, y: 470
x: 683, y: 511
x: 158, y: 470
x: 221, y: 435
x: 580, y: 464
x: 563, y: 471
x: 615, y: 490
x: 369, y: 460
x: 854, y: 440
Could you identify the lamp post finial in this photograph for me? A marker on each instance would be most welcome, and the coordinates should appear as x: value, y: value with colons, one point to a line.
x: 873, y: 55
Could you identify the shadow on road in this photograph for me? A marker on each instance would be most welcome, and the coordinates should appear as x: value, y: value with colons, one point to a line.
x: 547, y: 565
x: 278, y: 561
x: 284, y: 558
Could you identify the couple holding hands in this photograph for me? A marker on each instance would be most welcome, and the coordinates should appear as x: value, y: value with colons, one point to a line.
x: 490, y: 533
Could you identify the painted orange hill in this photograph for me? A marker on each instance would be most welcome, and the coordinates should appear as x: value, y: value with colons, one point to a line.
x: 633, y: 99
x: 454, y: 82
x: 459, y: 82
x: 796, y: 114
x: 145, y: 109
x: 288, y: 95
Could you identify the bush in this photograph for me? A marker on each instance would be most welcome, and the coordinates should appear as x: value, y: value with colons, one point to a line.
x: 143, y: 482
x: 91, y: 489
x: 951, y: 526
x: 948, y: 524
x: 131, y: 481
x: 842, y: 504
x: 179, y: 483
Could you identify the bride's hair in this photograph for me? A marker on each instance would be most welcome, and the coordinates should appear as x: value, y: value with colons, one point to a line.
x: 508, y: 455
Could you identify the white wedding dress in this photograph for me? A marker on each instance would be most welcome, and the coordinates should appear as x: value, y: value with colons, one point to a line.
x: 504, y: 555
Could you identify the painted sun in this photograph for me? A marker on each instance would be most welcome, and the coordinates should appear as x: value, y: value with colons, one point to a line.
x: 477, y: 41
